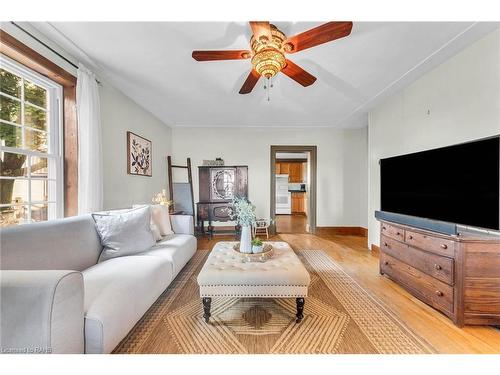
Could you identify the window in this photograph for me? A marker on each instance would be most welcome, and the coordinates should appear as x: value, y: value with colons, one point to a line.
x: 31, y: 162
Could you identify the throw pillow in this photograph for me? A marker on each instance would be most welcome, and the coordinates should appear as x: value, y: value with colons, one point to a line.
x: 161, y: 218
x: 125, y: 233
x: 154, y: 229
x: 156, y: 232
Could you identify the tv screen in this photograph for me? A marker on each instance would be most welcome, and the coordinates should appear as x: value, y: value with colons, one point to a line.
x: 458, y: 184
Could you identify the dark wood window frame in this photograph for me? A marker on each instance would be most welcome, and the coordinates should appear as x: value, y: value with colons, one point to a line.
x: 18, y: 51
x: 313, y: 156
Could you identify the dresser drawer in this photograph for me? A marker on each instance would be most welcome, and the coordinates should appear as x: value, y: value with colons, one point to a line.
x: 392, y: 231
x: 221, y: 212
x: 388, y: 244
x: 434, y: 265
x: 430, y: 290
x: 430, y: 243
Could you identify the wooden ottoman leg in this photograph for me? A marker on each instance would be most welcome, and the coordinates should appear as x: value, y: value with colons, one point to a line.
x: 207, y: 302
x: 300, y: 309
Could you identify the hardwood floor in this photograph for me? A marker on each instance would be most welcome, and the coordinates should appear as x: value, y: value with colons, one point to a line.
x: 291, y: 223
x: 352, y: 254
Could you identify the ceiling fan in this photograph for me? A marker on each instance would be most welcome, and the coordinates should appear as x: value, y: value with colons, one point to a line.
x: 268, y: 48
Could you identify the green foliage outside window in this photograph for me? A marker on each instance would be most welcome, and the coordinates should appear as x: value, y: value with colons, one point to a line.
x: 12, y: 164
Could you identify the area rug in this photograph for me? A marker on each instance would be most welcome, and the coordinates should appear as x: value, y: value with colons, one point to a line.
x: 339, y: 317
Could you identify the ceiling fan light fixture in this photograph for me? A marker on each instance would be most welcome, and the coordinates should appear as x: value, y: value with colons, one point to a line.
x: 268, y: 57
x: 268, y: 62
x: 288, y: 47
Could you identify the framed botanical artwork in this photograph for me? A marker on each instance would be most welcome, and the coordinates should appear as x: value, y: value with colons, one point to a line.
x: 139, y: 155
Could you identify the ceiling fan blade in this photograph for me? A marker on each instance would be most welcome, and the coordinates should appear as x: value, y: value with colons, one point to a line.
x: 221, y: 55
x: 298, y: 74
x: 319, y: 35
x: 250, y: 82
x: 261, y: 28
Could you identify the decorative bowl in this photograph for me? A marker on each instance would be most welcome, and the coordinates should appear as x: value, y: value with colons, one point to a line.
x: 267, y: 253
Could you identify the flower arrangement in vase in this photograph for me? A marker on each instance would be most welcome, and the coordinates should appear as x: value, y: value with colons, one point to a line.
x: 243, y: 211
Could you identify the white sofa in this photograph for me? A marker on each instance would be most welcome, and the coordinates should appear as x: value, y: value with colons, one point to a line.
x: 56, y: 297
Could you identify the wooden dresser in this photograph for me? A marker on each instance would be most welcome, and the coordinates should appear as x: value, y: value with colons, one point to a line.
x: 457, y: 275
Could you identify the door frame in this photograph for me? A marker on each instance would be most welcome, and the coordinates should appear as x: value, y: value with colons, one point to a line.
x: 313, y: 150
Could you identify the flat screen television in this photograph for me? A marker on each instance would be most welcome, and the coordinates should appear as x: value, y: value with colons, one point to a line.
x: 458, y: 184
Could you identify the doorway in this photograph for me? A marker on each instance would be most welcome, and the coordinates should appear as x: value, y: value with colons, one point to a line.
x: 293, y: 189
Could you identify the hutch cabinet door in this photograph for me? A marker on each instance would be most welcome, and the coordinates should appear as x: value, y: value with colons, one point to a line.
x: 222, y: 184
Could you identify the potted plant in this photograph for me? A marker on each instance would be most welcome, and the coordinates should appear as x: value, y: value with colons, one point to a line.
x: 243, y: 211
x: 257, y: 245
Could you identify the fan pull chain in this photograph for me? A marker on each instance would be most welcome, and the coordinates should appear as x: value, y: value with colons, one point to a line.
x: 268, y: 88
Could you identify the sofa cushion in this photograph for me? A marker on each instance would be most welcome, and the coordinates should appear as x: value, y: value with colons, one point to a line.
x: 177, y: 249
x: 63, y: 244
x: 182, y: 224
x: 124, y: 233
x: 117, y: 294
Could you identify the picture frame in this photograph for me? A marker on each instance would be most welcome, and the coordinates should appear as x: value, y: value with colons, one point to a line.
x: 139, y: 155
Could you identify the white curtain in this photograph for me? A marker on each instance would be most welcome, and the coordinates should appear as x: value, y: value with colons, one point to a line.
x: 90, y: 177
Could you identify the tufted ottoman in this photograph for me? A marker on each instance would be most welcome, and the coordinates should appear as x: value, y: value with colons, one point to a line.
x: 225, y: 275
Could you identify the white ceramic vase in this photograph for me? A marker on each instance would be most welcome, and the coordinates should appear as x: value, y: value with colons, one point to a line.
x: 246, y: 240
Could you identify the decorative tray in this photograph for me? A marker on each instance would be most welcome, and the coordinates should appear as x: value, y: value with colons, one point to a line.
x: 267, y: 253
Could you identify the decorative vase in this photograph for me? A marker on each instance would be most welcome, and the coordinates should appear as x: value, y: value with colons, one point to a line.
x: 246, y: 240
x: 257, y: 249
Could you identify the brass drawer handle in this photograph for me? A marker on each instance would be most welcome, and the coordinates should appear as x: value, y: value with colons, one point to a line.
x: 439, y: 293
x: 438, y: 267
x: 410, y: 237
x: 444, y: 246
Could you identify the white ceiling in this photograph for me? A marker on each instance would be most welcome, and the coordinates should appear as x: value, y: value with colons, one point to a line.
x: 152, y: 64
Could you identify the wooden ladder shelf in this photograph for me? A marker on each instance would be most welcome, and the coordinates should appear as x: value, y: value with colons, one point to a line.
x: 171, y: 183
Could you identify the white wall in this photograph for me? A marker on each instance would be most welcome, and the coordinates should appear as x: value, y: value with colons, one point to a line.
x: 456, y: 102
x: 119, y: 114
x: 341, y: 173
x: 355, y: 177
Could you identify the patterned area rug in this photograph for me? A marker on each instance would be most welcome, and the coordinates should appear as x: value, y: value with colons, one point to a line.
x: 339, y: 317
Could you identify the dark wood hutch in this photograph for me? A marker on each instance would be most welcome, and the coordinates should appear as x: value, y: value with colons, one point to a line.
x: 218, y: 185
